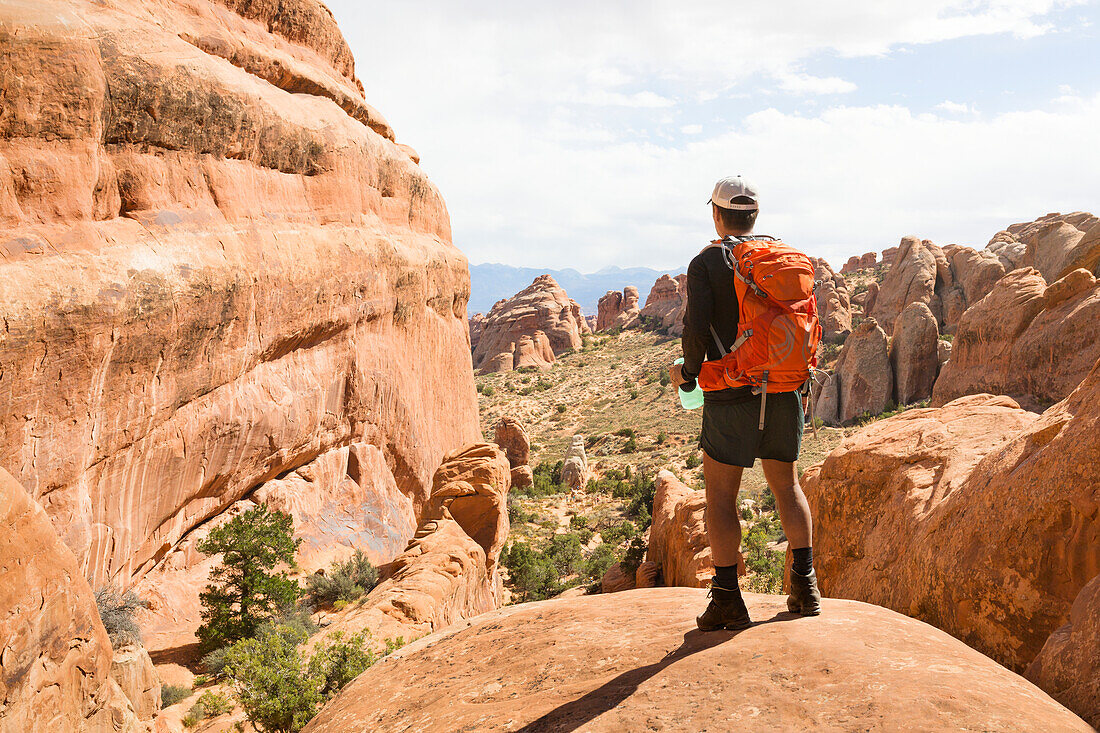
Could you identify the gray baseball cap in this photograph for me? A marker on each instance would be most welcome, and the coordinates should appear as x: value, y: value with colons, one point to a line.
x: 727, y: 189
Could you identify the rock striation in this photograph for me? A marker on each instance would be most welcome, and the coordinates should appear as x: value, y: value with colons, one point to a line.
x: 978, y: 517
x: 609, y: 662
x: 1026, y: 339
x: 56, y: 672
x: 529, y: 329
x: 618, y: 309
x: 665, y: 305
x: 217, y: 271
x: 1055, y: 245
x: 1068, y: 667
x: 678, y: 543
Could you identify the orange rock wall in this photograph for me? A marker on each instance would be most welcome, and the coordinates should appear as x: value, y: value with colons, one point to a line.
x: 215, y: 267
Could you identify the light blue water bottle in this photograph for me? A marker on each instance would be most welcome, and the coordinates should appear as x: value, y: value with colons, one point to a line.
x: 692, y: 400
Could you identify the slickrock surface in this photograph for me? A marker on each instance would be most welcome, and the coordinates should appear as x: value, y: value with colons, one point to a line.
x: 678, y: 536
x: 635, y: 661
x: 218, y: 273
x: 978, y: 517
x: 833, y: 303
x: 618, y: 309
x: 1068, y: 667
x: 666, y: 303
x: 529, y: 329
x: 863, y: 381
x: 1026, y: 339
x: 56, y: 671
x: 914, y: 354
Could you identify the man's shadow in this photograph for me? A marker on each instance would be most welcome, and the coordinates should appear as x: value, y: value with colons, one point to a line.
x: 572, y: 715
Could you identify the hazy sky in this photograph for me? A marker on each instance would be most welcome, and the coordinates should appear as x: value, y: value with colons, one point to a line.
x: 587, y: 134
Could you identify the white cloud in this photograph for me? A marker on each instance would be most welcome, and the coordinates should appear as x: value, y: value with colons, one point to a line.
x: 806, y: 84
x: 954, y: 107
x: 587, y: 100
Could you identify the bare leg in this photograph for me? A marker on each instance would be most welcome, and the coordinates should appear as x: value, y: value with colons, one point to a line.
x: 723, y: 523
x: 794, y: 511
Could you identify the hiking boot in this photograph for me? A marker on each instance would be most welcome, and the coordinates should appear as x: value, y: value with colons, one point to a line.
x: 805, y: 598
x: 726, y: 611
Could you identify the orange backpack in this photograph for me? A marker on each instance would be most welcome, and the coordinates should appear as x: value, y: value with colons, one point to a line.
x: 777, y: 330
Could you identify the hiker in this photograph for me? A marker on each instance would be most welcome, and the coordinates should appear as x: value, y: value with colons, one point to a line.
x: 750, y: 410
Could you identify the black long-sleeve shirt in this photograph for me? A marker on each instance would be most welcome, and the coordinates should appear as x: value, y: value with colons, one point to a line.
x: 711, y: 300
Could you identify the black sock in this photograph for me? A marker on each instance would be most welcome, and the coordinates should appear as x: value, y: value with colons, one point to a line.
x: 726, y: 577
x: 803, y: 560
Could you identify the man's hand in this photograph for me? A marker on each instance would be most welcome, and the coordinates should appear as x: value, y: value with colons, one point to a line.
x: 675, y: 373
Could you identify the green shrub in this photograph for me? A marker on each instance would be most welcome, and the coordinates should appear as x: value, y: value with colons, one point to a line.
x: 209, y: 705
x: 245, y: 591
x: 488, y: 390
x: 337, y: 662
x: 171, y: 694
x: 345, y: 581
x: 693, y: 460
x: 598, y: 561
x: 767, y: 500
x: 561, y: 409
x: 746, y: 513
x: 662, y: 438
x: 618, y: 534
x: 532, y: 574
x: 578, y: 521
x: 765, y: 565
x: 635, y: 553
x: 630, y: 446
x: 633, y: 394
x: 116, y: 611
x: 665, y: 380
x: 271, y: 682
x: 625, y: 432
x: 214, y: 662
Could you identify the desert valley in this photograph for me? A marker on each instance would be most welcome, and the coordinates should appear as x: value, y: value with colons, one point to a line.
x: 237, y: 364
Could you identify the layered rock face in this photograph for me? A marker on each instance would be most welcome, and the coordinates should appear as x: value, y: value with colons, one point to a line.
x: 218, y: 269
x: 1026, y: 339
x: 666, y: 303
x: 609, y: 662
x: 857, y: 263
x: 1068, y: 667
x: 56, y: 673
x: 1055, y: 245
x: 449, y: 570
x: 529, y: 329
x: 678, y: 536
x: 978, y: 517
x: 833, y: 303
x: 619, y: 310
x: 863, y: 381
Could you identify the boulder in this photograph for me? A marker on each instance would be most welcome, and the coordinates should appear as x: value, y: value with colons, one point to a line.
x: 616, y: 579
x: 826, y: 399
x: 1068, y: 666
x: 1025, y: 339
x: 574, y: 469
x: 522, y: 477
x: 863, y: 376
x: 914, y: 354
x: 239, y: 258
x: 56, y: 673
x: 647, y: 575
x: 870, y: 298
x: 511, y: 436
x: 635, y: 661
x: 531, y: 328
x: 678, y: 536
x: 665, y: 304
x: 618, y: 310
x: 833, y: 304
x: 911, y: 279
x: 943, y: 352
x: 978, y: 517
x: 1055, y: 245
x: 473, y: 483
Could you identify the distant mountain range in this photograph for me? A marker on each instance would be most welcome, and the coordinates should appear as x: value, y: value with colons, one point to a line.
x: 491, y: 282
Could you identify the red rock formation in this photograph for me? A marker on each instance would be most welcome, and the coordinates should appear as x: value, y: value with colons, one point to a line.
x: 889, y: 256
x: 666, y: 303
x: 833, y: 304
x: 617, y: 309
x: 529, y: 329
x: 1025, y: 339
x: 477, y: 325
x: 912, y: 279
x: 217, y: 269
x: 1068, y: 667
x: 512, y: 439
x: 856, y: 263
x: 574, y: 469
x: 611, y: 662
x: 56, y: 673
x: 616, y: 579
x: 132, y: 669
x: 1055, y: 245
x: 863, y: 381
x: 914, y: 354
x: 978, y: 517
x: 870, y: 298
x: 678, y: 536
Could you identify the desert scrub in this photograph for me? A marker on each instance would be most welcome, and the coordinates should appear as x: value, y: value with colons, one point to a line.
x: 209, y: 705
x: 765, y: 566
x: 116, y: 611
x: 171, y: 694
x: 345, y: 581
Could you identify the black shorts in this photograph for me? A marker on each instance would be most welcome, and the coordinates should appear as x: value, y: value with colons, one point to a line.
x: 731, y: 433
